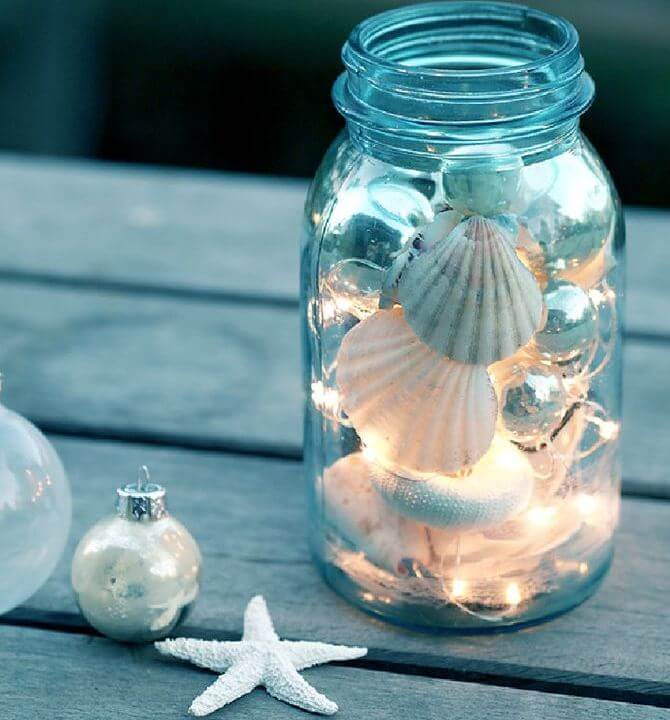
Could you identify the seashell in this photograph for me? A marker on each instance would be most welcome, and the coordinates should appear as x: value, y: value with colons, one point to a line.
x: 425, y: 238
x: 361, y: 517
x: 411, y: 406
x: 470, y: 297
x: 496, y: 489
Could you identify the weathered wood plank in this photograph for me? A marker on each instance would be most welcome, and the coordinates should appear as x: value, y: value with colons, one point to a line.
x: 249, y: 516
x: 200, y: 231
x: 215, y: 375
x: 69, y: 676
x: 114, y: 363
x: 647, y: 263
x: 151, y: 226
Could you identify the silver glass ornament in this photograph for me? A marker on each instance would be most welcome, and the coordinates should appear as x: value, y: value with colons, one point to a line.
x: 136, y: 574
x: 533, y: 404
x: 354, y: 287
x: 35, y: 509
x: 571, y: 326
x: 567, y: 241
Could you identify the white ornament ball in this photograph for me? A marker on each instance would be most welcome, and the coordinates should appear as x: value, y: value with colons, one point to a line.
x: 35, y: 509
x: 136, y: 574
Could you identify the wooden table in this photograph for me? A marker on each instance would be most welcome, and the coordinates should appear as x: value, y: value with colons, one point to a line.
x: 150, y: 316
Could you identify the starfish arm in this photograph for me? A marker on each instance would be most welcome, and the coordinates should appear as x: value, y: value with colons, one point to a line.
x: 283, y: 682
x: 209, y: 654
x: 308, y: 654
x: 239, y: 680
x: 257, y: 621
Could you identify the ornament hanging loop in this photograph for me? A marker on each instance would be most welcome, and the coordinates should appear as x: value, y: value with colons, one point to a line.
x: 143, y: 478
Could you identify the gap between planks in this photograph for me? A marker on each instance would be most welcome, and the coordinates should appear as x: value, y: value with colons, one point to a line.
x: 195, y: 443
x: 481, y: 672
x: 208, y: 295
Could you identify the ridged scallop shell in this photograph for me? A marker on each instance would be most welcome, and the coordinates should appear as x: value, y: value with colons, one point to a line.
x: 470, y: 297
x: 411, y: 406
x: 443, y: 223
x: 497, y: 488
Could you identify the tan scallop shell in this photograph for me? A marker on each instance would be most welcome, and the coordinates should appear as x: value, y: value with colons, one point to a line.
x: 469, y: 296
x: 409, y: 405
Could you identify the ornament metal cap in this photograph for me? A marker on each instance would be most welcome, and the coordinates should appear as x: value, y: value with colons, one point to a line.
x: 143, y: 500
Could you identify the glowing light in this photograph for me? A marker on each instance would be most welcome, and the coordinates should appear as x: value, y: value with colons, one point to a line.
x: 368, y: 597
x: 369, y: 454
x: 608, y: 429
x: 540, y: 515
x: 325, y: 399
x: 586, y: 504
x: 513, y: 594
x: 332, y: 308
x: 600, y: 296
x: 596, y: 296
x: 458, y: 589
x: 328, y: 310
x: 583, y: 568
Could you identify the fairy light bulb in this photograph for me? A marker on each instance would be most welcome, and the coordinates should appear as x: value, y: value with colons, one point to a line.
x: 541, y: 515
x: 586, y: 504
x: 513, y: 594
x: 459, y: 589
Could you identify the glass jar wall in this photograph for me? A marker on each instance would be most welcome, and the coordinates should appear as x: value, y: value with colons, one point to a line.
x: 461, y: 266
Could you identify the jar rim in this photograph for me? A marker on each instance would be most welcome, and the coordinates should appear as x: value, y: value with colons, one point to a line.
x: 424, y: 79
x: 358, y: 43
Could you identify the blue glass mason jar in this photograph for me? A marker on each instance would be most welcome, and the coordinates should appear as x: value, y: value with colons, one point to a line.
x: 462, y: 258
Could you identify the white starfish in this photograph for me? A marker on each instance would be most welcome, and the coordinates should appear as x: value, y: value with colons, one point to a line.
x: 260, y: 658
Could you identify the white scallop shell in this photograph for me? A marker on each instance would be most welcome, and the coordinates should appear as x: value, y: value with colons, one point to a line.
x: 470, y: 297
x: 497, y: 488
x: 361, y: 517
x: 411, y: 406
x: 434, y: 231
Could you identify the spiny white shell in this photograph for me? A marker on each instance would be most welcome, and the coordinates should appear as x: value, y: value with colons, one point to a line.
x: 411, y: 406
x: 498, y: 487
x: 470, y: 297
x: 361, y: 517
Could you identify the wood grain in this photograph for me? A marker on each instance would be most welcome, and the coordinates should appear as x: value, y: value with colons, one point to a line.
x: 179, y: 371
x: 71, y: 677
x: 154, y: 227
x: 249, y: 516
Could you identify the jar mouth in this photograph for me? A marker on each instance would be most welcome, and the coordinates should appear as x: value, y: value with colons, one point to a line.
x: 463, y: 71
x: 462, y: 42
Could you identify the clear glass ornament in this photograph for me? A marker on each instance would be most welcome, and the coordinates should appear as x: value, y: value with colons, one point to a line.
x: 35, y: 509
x: 137, y: 573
